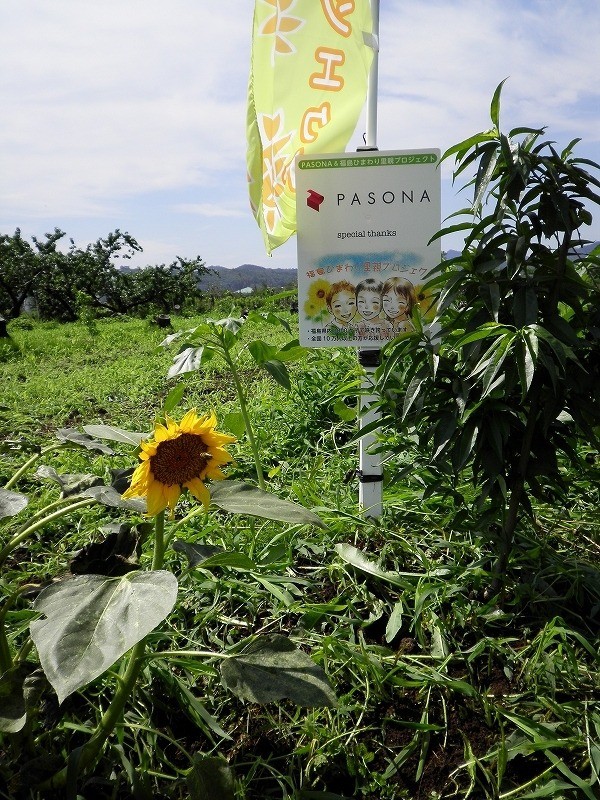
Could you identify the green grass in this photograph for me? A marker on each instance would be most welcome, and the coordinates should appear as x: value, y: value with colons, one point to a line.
x: 443, y: 690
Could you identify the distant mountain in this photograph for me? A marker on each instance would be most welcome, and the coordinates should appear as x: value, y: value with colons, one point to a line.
x: 576, y: 251
x: 247, y: 275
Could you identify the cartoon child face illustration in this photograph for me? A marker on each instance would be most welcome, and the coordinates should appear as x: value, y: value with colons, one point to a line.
x: 368, y: 298
x: 395, y: 305
x: 398, y: 299
x: 341, y: 301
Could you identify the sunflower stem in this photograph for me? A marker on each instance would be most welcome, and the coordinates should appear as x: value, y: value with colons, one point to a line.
x: 16, y: 540
x: 93, y: 747
x: 29, y: 463
x: 158, y: 557
x: 247, y: 422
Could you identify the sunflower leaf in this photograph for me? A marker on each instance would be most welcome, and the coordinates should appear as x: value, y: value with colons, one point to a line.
x: 72, y: 436
x: 173, y: 398
x: 108, y: 496
x: 271, y: 668
x: 189, y: 360
x: 13, y: 713
x: 279, y: 372
x: 70, y: 484
x: 210, y: 778
x: 115, y: 434
x: 90, y: 621
x: 234, y: 422
x: 240, y: 498
x: 357, y: 559
x: 11, y: 503
x: 196, y: 553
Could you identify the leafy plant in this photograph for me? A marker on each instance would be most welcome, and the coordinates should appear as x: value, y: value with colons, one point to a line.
x: 505, y: 384
x: 441, y: 692
x: 224, y: 338
x: 90, y: 621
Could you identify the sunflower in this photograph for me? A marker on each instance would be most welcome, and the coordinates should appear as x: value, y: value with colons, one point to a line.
x: 180, y: 455
x: 427, y: 302
x: 315, y: 306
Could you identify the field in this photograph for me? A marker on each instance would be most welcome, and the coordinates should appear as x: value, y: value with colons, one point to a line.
x: 443, y: 687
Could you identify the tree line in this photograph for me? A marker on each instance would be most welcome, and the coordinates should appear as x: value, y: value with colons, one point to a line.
x: 61, y: 283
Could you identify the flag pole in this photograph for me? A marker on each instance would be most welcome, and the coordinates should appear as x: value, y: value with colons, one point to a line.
x: 370, y: 472
x: 372, y: 86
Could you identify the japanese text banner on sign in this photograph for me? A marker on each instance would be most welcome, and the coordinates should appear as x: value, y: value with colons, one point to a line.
x: 308, y: 82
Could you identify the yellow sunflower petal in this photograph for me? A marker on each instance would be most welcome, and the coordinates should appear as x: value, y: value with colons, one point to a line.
x: 214, y: 473
x: 148, y: 449
x: 162, y: 432
x: 199, y: 490
x: 220, y: 457
x: 156, y: 501
x: 189, y: 421
x: 139, y: 481
x: 171, y: 493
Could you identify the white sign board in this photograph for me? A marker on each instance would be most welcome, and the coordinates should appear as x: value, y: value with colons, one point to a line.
x: 363, y: 223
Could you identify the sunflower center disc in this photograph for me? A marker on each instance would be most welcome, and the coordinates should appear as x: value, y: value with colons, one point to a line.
x: 179, y: 460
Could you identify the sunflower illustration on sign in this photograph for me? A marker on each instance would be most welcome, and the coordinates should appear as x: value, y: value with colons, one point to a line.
x: 426, y: 301
x: 315, y: 307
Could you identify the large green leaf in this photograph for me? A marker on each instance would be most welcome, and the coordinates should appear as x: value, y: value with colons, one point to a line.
x: 495, y: 105
x: 90, y: 621
x: 261, y: 351
x: 70, y: 483
x: 196, y: 553
x: 12, y: 699
x: 210, y: 779
x: 115, y: 434
x: 189, y: 360
x: 234, y: 422
x: 240, y: 498
x: 525, y: 366
x: 108, y: 496
x: 11, y: 503
x: 173, y: 398
x: 208, y: 556
x: 292, y: 351
x: 279, y: 372
x: 272, y: 668
x: 72, y: 436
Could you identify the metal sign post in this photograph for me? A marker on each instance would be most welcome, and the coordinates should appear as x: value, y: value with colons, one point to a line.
x: 370, y: 472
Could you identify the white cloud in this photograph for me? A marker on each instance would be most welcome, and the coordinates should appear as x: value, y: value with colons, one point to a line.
x: 115, y: 98
x: 131, y: 113
x: 209, y: 210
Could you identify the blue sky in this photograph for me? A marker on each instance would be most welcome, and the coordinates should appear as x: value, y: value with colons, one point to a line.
x: 131, y: 114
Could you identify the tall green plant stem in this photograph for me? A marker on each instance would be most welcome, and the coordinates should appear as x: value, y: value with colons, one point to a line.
x: 135, y: 663
x: 29, y: 463
x: 91, y: 750
x: 5, y: 656
x: 158, y: 557
x: 247, y: 422
x: 511, y: 516
x: 20, y: 537
x: 510, y: 521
